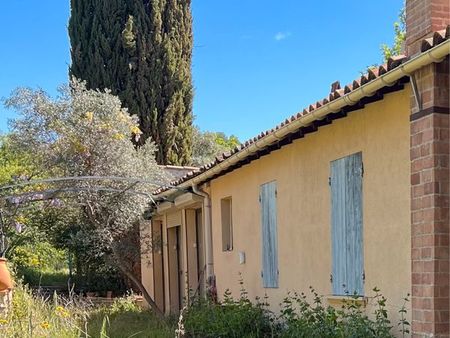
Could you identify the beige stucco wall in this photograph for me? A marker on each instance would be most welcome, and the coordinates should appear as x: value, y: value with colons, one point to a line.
x: 146, y: 258
x: 301, y: 169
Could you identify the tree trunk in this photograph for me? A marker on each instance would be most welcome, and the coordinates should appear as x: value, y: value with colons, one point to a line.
x: 141, y: 287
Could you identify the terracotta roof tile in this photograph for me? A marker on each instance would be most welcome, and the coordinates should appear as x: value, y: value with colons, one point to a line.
x: 364, y: 79
x: 372, y: 73
x: 336, y: 92
x: 395, y: 61
x: 382, y: 69
x: 335, y: 86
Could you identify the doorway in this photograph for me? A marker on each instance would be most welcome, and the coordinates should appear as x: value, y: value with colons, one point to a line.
x: 175, y: 268
x: 158, y: 264
x: 194, y: 242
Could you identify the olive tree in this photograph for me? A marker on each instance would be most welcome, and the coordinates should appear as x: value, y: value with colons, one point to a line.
x: 87, y: 133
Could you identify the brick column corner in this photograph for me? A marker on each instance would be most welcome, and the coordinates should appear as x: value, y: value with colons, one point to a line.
x: 430, y: 185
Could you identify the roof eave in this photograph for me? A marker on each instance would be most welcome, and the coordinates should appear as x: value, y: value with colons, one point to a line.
x: 433, y: 55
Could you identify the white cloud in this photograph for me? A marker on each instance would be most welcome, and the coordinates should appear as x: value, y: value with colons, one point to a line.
x: 281, y: 36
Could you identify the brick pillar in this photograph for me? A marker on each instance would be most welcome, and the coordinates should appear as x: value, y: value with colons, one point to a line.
x: 430, y: 185
x: 423, y: 17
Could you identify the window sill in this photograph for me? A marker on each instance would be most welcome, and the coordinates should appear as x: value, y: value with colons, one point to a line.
x: 341, y: 300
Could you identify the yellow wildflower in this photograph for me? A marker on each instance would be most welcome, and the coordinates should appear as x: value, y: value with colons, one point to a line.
x: 135, y: 130
x: 34, y: 261
x: 89, y: 116
x: 3, y: 322
x: 79, y: 147
x: 62, y: 312
x: 45, y: 325
x: 21, y: 219
x: 119, y: 136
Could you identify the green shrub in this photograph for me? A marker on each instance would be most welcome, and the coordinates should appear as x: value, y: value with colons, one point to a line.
x: 299, y: 318
x: 230, y: 318
x: 40, y: 256
x: 33, y: 277
x: 304, y: 319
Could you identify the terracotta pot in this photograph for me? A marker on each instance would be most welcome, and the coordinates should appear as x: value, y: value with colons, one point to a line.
x: 5, y: 277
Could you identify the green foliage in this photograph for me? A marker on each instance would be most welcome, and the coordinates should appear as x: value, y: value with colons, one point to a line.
x: 14, y: 164
x: 41, y: 255
x: 403, y: 324
x: 207, y: 145
x: 40, y: 263
x: 301, y: 316
x: 227, y: 142
x: 87, y: 133
x: 231, y: 318
x: 124, y: 304
x: 34, y: 277
x: 98, y: 276
x: 142, y: 52
x: 399, y: 37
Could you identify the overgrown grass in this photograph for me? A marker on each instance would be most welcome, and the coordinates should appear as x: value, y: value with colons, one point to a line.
x: 33, y: 316
x: 125, y: 319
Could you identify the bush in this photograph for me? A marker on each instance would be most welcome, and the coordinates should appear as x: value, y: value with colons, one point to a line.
x: 42, y: 256
x: 33, y: 277
x: 304, y: 319
x: 298, y: 318
x: 230, y: 318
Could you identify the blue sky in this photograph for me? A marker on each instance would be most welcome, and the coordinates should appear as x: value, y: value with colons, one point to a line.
x: 255, y: 62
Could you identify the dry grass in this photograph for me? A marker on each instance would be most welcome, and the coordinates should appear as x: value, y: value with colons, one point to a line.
x: 34, y: 316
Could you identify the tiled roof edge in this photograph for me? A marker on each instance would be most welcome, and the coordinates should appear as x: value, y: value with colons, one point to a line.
x: 371, y: 75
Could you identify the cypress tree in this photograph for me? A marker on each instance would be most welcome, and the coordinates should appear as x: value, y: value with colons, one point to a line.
x: 142, y: 51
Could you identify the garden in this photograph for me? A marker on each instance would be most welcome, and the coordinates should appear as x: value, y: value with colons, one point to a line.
x: 71, y: 214
x: 301, y: 315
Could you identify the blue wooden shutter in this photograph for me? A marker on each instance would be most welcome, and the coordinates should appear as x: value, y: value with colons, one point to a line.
x: 269, y: 235
x: 347, y: 226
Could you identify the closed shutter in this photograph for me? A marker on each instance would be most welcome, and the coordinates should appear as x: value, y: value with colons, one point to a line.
x: 347, y: 226
x: 173, y: 219
x: 269, y: 235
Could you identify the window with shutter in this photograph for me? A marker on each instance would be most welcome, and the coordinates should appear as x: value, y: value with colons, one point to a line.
x: 347, y: 225
x: 269, y: 235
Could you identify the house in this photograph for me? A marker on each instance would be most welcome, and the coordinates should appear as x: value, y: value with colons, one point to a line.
x: 350, y: 194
